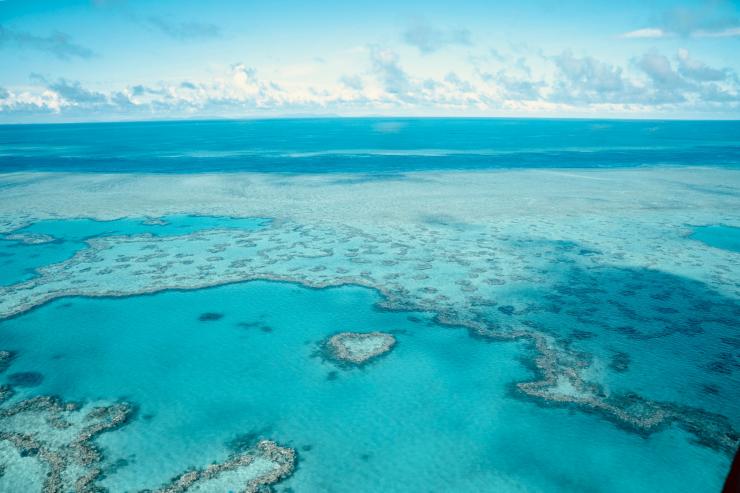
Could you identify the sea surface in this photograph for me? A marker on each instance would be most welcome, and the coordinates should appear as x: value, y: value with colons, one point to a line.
x: 366, y: 145
x: 564, y: 297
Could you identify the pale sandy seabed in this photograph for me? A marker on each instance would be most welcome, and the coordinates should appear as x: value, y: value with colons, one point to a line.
x: 548, y: 257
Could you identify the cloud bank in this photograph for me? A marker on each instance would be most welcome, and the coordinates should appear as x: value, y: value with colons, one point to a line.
x: 648, y: 83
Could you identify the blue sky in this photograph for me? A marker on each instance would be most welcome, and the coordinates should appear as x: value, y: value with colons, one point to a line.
x: 77, y: 60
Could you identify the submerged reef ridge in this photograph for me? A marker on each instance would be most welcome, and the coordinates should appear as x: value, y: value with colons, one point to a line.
x: 60, y: 436
x: 249, y: 471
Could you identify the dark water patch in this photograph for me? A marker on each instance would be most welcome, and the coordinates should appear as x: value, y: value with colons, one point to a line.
x: 507, y: 309
x: 665, y: 310
x: 582, y: 334
x: 249, y: 325
x: 662, y: 296
x: 210, y: 316
x: 724, y: 364
x: 710, y: 389
x: 26, y: 379
x: 733, y: 342
x: 246, y: 441
x: 258, y: 325
x: 119, y: 464
x: 620, y: 362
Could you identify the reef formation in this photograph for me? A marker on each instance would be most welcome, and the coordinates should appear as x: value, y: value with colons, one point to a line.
x: 29, y: 238
x: 403, y: 270
x: 359, y: 348
x: 265, y: 464
x: 48, y: 445
x: 597, y: 271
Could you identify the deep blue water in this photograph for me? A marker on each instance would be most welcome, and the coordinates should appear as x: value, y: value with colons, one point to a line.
x: 366, y: 145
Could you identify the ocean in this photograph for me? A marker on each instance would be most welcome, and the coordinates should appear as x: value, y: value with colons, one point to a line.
x: 369, y: 145
x: 333, y: 305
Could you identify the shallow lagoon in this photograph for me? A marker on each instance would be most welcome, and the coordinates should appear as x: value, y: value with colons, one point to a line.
x: 433, y: 414
x: 718, y: 236
x: 65, y: 237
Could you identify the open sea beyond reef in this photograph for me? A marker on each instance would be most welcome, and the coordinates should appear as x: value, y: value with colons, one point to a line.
x: 367, y: 305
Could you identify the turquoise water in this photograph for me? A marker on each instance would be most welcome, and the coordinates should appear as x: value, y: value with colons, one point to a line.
x: 82, y: 229
x: 434, y: 414
x: 19, y: 261
x: 718, y: 236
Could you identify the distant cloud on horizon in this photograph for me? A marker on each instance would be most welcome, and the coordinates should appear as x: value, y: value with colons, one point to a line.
x: 651, y: 81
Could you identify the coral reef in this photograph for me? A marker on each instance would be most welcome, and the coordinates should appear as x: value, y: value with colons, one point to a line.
x: 61, y: 436
x: 359, y: 347
x: 246, y: 472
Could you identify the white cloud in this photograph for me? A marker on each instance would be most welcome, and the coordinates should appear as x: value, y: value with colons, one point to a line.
x: 712, y: 19
x: 565, y: 83
x: 649, y: 32
x: 698, y: 70
x: 722, y: 33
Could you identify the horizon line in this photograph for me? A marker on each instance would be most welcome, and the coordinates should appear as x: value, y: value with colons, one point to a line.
x: 371, y: 117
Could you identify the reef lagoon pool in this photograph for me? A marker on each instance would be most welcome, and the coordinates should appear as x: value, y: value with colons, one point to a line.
x: 719, y: 236
x: 46, y: 242
x: 210, y: 320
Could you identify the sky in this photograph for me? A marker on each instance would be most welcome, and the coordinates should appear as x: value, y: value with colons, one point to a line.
x: 101, y: 60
